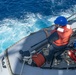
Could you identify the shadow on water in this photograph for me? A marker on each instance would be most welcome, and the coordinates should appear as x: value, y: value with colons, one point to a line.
x: 19, y: 8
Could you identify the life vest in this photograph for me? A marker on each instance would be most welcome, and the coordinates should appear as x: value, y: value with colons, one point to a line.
x: 64, y: 35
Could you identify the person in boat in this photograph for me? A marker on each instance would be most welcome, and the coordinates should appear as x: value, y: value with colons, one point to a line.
x: 58, y: 39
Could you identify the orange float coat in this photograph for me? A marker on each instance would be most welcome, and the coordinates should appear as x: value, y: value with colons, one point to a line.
x: 64, y: 35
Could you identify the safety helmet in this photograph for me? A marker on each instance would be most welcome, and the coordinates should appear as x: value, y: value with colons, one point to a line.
x: 61, y: 20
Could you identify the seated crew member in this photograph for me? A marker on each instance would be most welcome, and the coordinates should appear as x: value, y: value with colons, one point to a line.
x: 58, y: 39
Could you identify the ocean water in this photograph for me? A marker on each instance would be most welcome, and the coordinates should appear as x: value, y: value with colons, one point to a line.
x: 19, y: 18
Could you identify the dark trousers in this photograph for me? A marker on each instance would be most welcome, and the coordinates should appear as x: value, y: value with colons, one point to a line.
x: 55, y: 51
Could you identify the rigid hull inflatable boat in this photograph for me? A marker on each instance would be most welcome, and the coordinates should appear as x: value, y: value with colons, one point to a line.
x: 11, y: 63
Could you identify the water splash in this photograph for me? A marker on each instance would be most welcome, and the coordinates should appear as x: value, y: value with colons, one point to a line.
x: 13, y: 29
